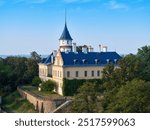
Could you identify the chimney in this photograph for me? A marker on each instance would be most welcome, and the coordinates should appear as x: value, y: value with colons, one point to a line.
x: 105, y: 48
x: 54, y: 53
x: 52, y: 58
x: 84, y: 49
x: 74, y: 48
x: 90, y: 49
x: 100, y: 48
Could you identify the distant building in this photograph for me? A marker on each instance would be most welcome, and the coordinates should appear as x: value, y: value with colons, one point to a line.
x: 70, y: 62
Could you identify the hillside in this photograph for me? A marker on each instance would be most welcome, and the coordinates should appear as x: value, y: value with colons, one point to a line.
x: 15, y: 103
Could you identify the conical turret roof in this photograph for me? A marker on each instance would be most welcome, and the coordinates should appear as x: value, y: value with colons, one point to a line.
x: 65, y: 35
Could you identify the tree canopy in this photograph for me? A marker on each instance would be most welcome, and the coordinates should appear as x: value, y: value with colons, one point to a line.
x: 16, y: 71
x: 123, y: 85
x: 126, y: 87
x: 87, y: 99
x: 132, y: 97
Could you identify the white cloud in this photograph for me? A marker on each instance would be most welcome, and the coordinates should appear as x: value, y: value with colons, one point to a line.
x: 113, y: 4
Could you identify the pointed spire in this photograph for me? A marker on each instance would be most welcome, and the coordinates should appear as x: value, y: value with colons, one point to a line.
x: 65, y: 16
x: 65, y: 35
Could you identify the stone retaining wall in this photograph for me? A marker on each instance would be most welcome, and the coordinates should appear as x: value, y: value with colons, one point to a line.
x: 43, y: 105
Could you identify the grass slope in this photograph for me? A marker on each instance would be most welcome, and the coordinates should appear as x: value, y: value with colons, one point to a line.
x: 15, y: 103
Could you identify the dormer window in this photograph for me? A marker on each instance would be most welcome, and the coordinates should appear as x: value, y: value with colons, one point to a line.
x: 84, y: 61
x: 66, y: 51
x: 75, y: 61
x: 109, y: 61
x: 97, y: 61
x: 116, y: 61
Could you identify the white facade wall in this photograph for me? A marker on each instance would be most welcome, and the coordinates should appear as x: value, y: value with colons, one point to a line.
x: 59, y: 72
x: 92, y: 72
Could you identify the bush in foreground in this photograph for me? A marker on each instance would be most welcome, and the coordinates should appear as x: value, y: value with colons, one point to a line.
x: 48, y: 86
x: 36, y: 81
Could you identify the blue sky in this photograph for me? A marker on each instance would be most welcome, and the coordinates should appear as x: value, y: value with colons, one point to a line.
x: 36, y: 25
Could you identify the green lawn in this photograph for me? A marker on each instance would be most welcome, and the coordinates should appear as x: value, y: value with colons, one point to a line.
x: 34, y: 90
x: 15, y: 103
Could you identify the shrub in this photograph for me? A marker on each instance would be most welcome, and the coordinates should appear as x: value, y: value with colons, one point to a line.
x: 36, y: 81
x: 48, y: 85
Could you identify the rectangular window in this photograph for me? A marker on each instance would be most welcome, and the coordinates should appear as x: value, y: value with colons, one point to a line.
x: 92, y: 73
x: 44, y: 72
x: 98, y: 73
x: 60, y: 74
x: 77, y: 73
x: 85, y: 73
x: 54, y: 73
x: 68, y: 73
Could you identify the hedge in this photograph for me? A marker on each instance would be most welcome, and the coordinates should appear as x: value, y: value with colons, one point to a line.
x: 70, y: 87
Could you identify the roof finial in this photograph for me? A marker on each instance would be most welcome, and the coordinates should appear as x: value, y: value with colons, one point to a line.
x: 65, y: 16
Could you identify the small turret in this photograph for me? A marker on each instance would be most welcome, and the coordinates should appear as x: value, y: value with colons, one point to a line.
x: 65, y: 40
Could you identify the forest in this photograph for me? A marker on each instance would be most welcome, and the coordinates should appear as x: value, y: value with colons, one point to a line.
x: 17, y: 71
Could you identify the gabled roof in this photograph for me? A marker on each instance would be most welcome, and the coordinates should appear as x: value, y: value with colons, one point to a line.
x: 65, y: 35
x: 89, y: 59
x: 46, y: 60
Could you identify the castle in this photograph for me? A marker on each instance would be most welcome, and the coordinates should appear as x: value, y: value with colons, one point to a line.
x: 73, y: 62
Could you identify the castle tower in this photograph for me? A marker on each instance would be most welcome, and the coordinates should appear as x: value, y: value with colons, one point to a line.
x: 65, y: 41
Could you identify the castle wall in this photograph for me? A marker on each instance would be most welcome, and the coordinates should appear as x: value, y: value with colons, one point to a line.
x: 41, y: 104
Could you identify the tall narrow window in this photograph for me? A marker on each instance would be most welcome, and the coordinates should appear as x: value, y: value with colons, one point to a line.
x: 68, y: 73
x: 92, y: 73
x: 85, y: 73
x: 77, y: 73
x: 98, y: 73
x: 55, y: 73
x: 60, y: 74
